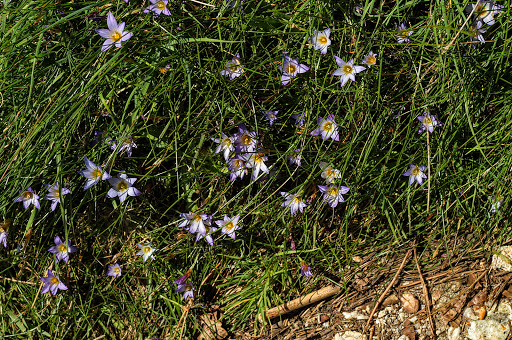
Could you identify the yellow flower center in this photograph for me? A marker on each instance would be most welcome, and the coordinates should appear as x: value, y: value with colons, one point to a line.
x: 333, y: 191
x: 329, y: 172
x: 62, y: 248
x: 96, y: 173
x: 146, y: 249
x: 1, y: 230
x: 233, y: 68
x: 371, y: 60
x: 229, y: 226
x: 327, y: 126
x: 238, y: 163
x: 188, y: 287
x: 160, y: 5
x: 347, y: 69
x: 54, y: 281
x: 122, y: 186
x: 416, y: 171
x: 427, y: 121
x: 28, y: 195
x: 246, y: 140
x: 116, y: 35
x: 116, y: 270
x: 271, y: 115
x: 207, y: 229
x: 197, y: 218
x: 226, y: 141
x: 322, y: 40
x: 296, y: 200
x: 291, y: 69
x: 56, y: 193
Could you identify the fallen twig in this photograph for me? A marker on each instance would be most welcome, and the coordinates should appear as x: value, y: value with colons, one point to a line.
x: 425, y: 293
x: 383, y: 295
x: 303, y: 301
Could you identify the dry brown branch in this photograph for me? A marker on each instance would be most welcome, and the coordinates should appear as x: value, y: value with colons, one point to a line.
x: 425, y: 293
x: 383, y: 295
x: 303, y: 301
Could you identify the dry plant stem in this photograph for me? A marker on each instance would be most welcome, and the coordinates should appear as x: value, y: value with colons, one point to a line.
x: 308, y: 299
x: 425, y: 293
x: 183, y: 319
x: 383, y: 295
x: 428, y: 171
x: 202, y: 3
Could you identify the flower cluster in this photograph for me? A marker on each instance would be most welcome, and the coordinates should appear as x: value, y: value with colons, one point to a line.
x: 55, y: 193
x: 122, y: 186
x: 201, y: 224
x: 484, y: 13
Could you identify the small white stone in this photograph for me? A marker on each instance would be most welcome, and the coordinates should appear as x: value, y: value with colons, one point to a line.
x: 453, y: 333
x: 354, y: 315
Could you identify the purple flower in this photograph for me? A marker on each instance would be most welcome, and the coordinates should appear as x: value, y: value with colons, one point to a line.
x: 476, y: 34
x: 229, y: 225
x: 122, y: 187
x: 496, y: 202
x: 146, y: 251
x: 226, y: 145
x: 114, y: 270
x: 3, y: 237
x: 305, y: 270
x: 327, y: 128
x: 246, y: 140
x: 415, y: 173
x: 54, y: 194
x: 329, y: 173
x: 93, y: 173
x: 184, y: 278
x: 208, y: 236
x: 52, y: 283
x: 270, y: 115
x: 255, y: 161
x: 158, y: 6
x: 127, y: 145
x: 484, y: 11
x: 320, y: 40
x: 428, y: 122
x: 61, y: 249
x: 237, y: 168
x: 299, y: 119
x: 187, y: 289
x: 370, y: 59
x: 333, y: 194
x: 196, y: 222
x: 290, y: 69
x: 295, y: 157
x: 403, y: 34
x: 347, y: 70
x: 28, y: 197
x: 234, y: 68
x: 293, y: 201
x: 115, y: 34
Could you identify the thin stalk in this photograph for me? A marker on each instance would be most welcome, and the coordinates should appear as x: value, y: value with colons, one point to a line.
x: 428, y: 171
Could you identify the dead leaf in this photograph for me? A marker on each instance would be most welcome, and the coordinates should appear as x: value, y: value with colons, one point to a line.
x: 390, y: 300
x: 408, y: 330
x: 449, y: 315
x: 479, y: 299
x: 410, y: 303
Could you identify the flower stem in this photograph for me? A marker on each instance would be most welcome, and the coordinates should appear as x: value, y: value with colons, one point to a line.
x: 428, y: 171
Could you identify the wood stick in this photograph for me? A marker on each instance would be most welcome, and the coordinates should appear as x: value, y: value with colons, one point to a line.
x: 425, y: 294
x: 383, y: 295
x: 303, y: 301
